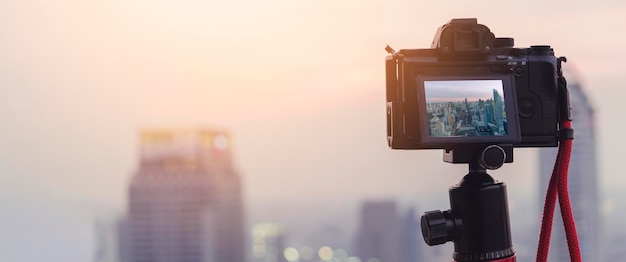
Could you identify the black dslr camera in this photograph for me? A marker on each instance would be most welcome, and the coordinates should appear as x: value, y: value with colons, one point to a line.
x: 472, y: 88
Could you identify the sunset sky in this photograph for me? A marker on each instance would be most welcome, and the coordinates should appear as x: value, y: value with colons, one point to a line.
x: 299, y: 83
x: 456, y: 91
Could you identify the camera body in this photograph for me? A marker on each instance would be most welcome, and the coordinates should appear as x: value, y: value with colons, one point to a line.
x: 471, y: 88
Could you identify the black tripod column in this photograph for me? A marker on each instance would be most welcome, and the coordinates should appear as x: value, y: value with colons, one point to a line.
x: 477, y: 222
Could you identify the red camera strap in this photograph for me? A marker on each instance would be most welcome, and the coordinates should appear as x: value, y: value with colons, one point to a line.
x: 558, y: 187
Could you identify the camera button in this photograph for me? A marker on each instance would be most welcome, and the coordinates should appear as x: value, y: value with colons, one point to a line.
x: 518, y: 71
x: 526, y: 108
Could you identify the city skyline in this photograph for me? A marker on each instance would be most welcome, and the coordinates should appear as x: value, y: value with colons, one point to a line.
x: 468, y: 118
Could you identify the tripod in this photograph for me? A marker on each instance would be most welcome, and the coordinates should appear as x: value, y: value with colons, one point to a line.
x: 478, y: 219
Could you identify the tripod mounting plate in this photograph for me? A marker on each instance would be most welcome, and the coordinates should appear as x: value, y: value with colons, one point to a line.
x: 480, y: 156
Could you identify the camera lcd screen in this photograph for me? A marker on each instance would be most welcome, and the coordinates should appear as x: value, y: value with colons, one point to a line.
x: 468, y: 110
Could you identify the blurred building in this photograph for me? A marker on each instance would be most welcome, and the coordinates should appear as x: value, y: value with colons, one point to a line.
x: 412, y: 237
x: 583, y: 180
x: 106, y: 241
x: 384, y: 235
x: 185, y: 201
x: 268, y: 243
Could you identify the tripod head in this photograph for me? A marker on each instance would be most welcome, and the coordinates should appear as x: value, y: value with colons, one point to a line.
x: 478, y: 219
x: 479, y: 157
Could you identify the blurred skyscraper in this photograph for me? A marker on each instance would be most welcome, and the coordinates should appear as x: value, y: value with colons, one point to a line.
x: 412, y: 238
x: 583, y: 180
x: 106, y: 241
x: 383, y: 235
x: 268, y: 243
x: 498, y: 108
x: 185, y: 201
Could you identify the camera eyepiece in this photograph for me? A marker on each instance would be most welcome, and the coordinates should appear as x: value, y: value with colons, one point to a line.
x: 463, y: 35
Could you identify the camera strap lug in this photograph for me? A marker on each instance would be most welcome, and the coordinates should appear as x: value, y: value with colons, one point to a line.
x: 565, y: 111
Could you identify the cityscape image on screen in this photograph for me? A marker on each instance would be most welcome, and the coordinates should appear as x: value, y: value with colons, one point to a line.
x: 465, y: 108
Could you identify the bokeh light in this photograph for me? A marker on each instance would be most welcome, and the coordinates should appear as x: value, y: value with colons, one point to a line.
x: 291, y: 254
x: 325, y: 253
x: 258, y: 248
x: 221, y: 142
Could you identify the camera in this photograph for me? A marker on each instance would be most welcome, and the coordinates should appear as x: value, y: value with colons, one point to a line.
x: 472, y: 88
x: 477, y: 97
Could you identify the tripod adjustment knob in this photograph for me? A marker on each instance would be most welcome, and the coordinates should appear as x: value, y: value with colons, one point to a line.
x: 437, y: 227
x: 492, y: 157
